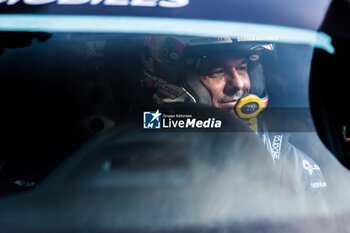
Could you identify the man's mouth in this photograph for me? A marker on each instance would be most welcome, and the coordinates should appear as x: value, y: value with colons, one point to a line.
x: 228, y: 103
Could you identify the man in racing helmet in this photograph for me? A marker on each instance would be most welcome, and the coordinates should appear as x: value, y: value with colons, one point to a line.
x: 192, y: 69
x: 225, y: 73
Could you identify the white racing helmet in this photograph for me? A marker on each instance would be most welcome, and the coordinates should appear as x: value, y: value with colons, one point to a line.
x: 170, y: 65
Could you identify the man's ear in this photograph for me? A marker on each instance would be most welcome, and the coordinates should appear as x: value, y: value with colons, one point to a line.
x: 192, y: 83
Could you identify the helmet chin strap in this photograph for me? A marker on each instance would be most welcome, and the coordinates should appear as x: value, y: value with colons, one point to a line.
x: 252, y: 123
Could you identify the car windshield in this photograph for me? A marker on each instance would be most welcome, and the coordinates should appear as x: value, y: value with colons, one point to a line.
x: 194, y: 130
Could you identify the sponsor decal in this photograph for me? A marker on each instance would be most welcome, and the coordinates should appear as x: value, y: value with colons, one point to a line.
x: 308, y: 167
x: 276, y: 146
x: 157, y: 120
x: 209, y: 40
x: 169, y: 90
x: 318, y: 184
x: 256, y: 38
x: 137, y: 3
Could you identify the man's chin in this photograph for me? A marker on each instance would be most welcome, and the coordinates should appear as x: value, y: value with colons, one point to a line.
x: 227, y: 105
x: 228, y: 109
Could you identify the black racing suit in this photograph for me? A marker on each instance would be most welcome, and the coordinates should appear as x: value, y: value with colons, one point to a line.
x: 294, y: 168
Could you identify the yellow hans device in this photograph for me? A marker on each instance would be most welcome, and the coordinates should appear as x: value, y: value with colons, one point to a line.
x: 250, y: 106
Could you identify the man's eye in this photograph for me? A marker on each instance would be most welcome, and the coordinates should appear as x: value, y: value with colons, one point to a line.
x: 242, y: 69
x: 217, y: 73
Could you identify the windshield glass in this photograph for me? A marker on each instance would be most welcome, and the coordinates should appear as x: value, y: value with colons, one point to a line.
x: 191, y: 123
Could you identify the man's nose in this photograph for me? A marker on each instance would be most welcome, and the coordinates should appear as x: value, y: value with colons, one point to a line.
x: 234, y: 81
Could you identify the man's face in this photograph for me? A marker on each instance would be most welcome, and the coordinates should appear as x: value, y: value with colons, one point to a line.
x: 226, y: 78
